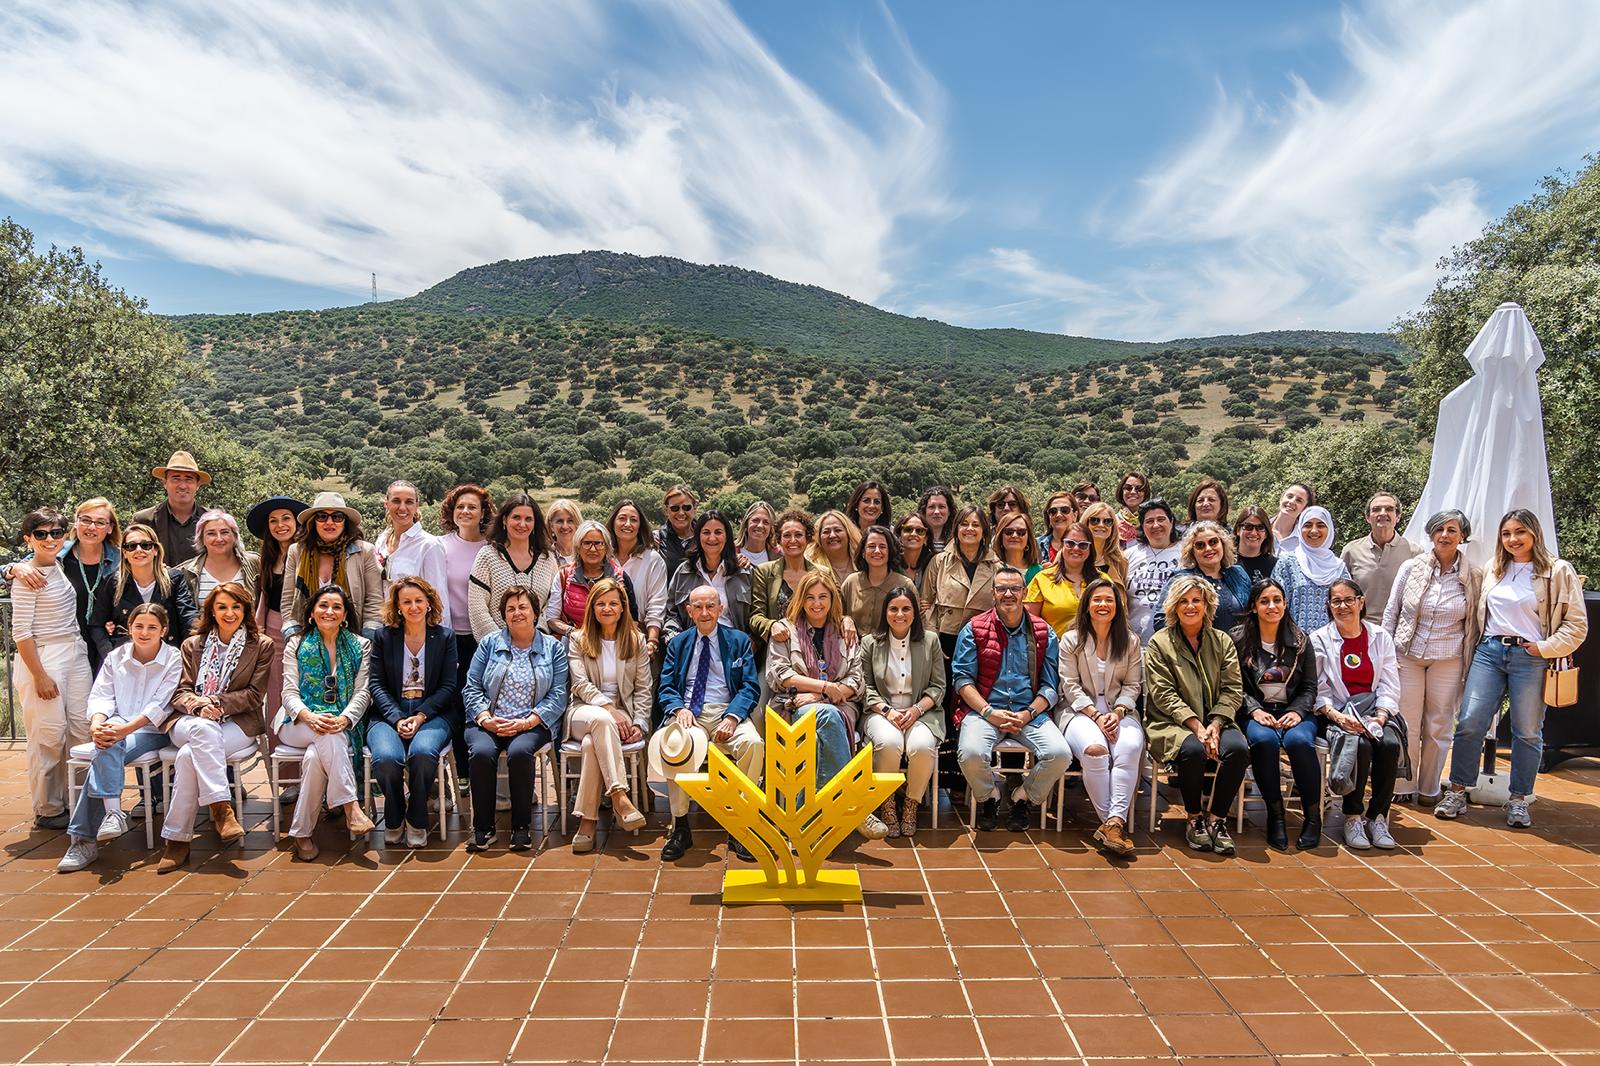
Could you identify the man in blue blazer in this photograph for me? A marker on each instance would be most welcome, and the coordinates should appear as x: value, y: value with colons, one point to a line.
x: 710, y: 682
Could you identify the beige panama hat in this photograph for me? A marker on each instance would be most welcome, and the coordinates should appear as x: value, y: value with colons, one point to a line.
x: 328, y: 501
x: 180, y: 463
x: 675, y: 750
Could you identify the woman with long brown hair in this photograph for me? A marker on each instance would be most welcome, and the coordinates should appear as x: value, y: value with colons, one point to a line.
x: 612, y: 695
x: 329, y: 549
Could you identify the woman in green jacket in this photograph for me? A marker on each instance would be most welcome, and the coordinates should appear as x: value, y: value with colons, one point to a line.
x: 1193, y: 691
x: 903, y: 666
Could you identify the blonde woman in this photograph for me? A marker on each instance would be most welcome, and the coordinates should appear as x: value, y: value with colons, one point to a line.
x: 1101, y: 522
x: 564, y: 517
x: 144, y: 577
x: 608, y: 668
x: 1207, y: 551
x: 219, y: 556
x: 835, y: 546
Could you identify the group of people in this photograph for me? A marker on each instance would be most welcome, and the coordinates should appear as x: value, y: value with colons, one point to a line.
x: 1110, y: 635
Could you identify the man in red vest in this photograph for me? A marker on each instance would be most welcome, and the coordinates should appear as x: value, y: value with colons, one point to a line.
x: 1006, y: 674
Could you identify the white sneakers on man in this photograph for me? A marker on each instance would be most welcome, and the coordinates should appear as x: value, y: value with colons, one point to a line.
x: 113, y: 825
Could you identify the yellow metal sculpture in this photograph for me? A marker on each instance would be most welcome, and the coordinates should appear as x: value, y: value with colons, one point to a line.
x: 793, y: 819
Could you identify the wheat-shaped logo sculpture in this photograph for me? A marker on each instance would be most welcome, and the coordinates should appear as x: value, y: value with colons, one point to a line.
x: 794, y: 819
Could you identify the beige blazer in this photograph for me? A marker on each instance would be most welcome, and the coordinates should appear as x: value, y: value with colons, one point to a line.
x: 635, y: 687
x: 953, y: 598
x: 1082, y: 679
x: 363, y: 581
x: 1558, y: 601
x: 927, y: 677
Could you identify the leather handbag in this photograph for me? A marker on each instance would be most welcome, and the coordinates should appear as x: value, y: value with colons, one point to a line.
x: 1561, y: 683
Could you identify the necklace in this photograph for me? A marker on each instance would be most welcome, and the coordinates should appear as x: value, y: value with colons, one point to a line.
x: 90, y: 587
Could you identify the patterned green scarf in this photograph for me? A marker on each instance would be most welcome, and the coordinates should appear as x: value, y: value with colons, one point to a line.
x: 315, y: 687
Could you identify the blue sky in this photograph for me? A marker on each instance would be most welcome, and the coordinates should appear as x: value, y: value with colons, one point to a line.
x: 1137, y: 171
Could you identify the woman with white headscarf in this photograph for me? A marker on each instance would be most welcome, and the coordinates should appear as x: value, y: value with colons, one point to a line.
x: 1307, y: 569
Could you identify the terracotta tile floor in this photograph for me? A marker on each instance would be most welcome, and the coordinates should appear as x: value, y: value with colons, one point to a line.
x: 1469, y: 944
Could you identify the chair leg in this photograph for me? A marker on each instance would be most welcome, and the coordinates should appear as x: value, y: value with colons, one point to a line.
x: 276, y: 787
x: 933, y: 796
x: 368, y: 802
x: 561, y: 788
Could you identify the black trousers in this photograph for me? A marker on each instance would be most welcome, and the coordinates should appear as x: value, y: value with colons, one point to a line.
x: 1379, y: 759
x: 483, y: 762
x: 950, y: 776
x: 466, y: 647
x: 1190, y: 766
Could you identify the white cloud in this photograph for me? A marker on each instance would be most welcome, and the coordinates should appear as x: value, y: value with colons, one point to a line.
x: 1330, y: 207
x: 316, y: 143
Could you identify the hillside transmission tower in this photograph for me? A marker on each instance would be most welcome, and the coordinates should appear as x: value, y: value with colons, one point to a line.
x: 374, y: 286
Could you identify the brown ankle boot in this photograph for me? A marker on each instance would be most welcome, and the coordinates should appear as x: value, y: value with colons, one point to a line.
x: 305, y: 849
x: 908, y: 818
x: 175, y: 857
x: 228, y: 827
x: 1112, y: 836
x: 890, y: 816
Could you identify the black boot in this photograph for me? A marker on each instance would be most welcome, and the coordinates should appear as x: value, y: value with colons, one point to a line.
x: 1310, y: 833
x: 679, y: 841
x: 738, y: 850
x: 1277, y: 829
x: 988, y: 815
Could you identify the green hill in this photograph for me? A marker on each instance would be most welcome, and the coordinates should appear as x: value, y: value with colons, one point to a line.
x: 752, y: 307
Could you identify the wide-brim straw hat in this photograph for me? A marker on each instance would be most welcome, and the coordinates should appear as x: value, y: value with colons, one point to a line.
x: 328, y: 501
x: 182, y: 463
x: 675, y: 750
x: 256, y: 520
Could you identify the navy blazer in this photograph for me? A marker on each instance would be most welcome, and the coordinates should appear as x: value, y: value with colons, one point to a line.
x: 440, y: 679
x: 738, y: 668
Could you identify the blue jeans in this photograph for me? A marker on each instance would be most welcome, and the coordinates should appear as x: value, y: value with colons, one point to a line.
x: 391, y: 756
x: 834, y: 744
x: 1051, y: 755
x: 1301, y: 745
x: 106, y: 779
x: 1495, y: 670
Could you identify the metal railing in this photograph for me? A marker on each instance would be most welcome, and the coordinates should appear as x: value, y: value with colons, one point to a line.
x: 11, y: 725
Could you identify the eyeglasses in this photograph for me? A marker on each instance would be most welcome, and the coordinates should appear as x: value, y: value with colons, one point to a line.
x: 1076, y: 545
x: 1209, y: 542
x: 1060, y: 510
x: 53, y: 533
x: 138, y: 546
x: 680, y: 508
x: 1345, y: 601
x: 94, y: 523
x: 332, y: 516
x: 1008, y: 591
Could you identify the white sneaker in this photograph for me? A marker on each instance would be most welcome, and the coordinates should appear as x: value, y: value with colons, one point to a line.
x: 872, y: 828
x: 395, y: 835
x: 1451, y: 805
x: 1517, y: 816
x: 78, y: 857
x: 1378, y: 831
x: 1355, y: 833
x: 416, y: 838
x: 113, y: 825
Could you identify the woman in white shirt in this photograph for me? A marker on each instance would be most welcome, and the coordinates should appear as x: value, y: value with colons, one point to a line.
x: 636, y: 551
x: 1101, y: 673
x: 1529, y: 610
x: 902, y: 664
x: 52, y: 685
x: 612, y: 694
x: 405, y: 549
x: 132, y: 696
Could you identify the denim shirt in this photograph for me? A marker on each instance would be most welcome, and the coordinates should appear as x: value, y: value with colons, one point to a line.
x: 1012, y: 689
x: 492, y: 663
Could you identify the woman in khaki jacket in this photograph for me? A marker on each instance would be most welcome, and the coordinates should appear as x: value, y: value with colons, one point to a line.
x: 608, y: 669
x: 1427, y: 616
x: 1528, y: 611
x: 329, y: 548
x: 1102, y: 670
x: 903, y: 667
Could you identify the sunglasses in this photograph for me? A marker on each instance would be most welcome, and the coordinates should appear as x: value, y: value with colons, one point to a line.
x: 1076, y: 545
x: 331, y: 516
x: 1252, y: 527
x: 330, y: 689
x: 913, y: 531
x: 1099, y: 521
x: 1211, y: 542
x: 53, y: 533
x: 138, y: 546
x: 1061, y: 510
x: 1014, y: 533
x: 680, y: 508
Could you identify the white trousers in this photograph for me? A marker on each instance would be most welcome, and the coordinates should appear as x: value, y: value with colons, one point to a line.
x: 327, y: 776
x: 200, y: 772
x: 601, y: 743
x: 1430, y: 696
x: 917, y: 745
x: 54, y: 725
x: 1110, y: 779
x: 746, y: 748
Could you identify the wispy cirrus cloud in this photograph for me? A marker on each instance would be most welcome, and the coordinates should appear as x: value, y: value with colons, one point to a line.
x: 1330, y: 207
x: 315, y: 143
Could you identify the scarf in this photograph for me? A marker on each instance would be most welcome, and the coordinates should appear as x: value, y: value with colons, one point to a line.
x: 217, y: 662
x: 1319, y: 565
x: 309, y: 564
x: 831, y: 665
x: 312, y: 656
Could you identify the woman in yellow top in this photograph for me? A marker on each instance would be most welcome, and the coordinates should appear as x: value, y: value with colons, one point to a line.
x: 1054, y: 591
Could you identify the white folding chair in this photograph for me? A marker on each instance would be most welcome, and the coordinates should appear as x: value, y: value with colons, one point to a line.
x: 1250, y: 791
x: 571, y: 769
x: 1157, y: 773
x: 282, y: 755
x: 442, y: 780
x: 1004, y: 746
x: 81, y: 757
x: 543, y: 768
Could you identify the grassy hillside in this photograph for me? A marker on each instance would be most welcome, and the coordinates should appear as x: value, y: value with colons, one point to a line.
x: 745, y: 305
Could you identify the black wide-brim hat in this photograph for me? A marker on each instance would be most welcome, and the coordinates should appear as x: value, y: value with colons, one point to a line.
x: 256, y: 520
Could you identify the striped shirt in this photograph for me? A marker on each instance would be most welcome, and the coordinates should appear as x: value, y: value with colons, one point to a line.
x: 47, y: 615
